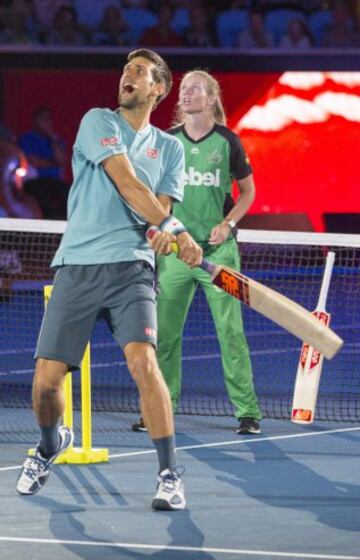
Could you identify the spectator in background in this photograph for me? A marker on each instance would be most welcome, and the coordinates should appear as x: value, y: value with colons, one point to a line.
x: 14, y: 201
x: 341, y: 32
x: 66, y: 29
x: 45, y: 10
x: 199, y: 33
x: 113, y: 28
x: 297, y: 36
x: 18, y: 28
x: 45, y: 151
x: 162, y: 35
x: 139, y: 18
x: 91, y: 12
x: 256, y: 37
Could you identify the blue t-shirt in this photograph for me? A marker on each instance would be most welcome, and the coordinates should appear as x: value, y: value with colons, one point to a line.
x: 33, y: 143
x: 102, y: 228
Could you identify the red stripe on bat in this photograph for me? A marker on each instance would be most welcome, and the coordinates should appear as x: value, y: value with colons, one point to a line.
x: 324, y: 318
x: 302, y: 414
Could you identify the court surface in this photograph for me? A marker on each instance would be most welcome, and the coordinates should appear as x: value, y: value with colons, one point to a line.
x: 290, y: 492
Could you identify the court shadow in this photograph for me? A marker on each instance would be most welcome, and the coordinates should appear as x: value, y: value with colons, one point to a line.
x: 65, y: 524
x: 277, y: 480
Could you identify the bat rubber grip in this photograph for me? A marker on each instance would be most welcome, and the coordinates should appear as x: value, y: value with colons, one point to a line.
x: 208, y: 266
x: 205, y: 265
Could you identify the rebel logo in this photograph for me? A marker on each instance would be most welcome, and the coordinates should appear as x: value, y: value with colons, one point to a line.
x: 195, y: 178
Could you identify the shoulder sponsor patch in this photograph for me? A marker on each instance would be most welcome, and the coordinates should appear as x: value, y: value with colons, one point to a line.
x: 112, y: 141
x: 152, y: 153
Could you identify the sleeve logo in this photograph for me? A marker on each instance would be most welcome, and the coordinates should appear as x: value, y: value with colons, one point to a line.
x: 152, y: 153
x: 112, y: 141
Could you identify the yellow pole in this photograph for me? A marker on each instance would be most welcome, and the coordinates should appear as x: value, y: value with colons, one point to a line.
x: 86, y: 401
x: 68, y: 396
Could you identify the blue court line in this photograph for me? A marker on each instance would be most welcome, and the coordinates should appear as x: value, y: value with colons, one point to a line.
x: 191, y: 549
x: 222, y: 443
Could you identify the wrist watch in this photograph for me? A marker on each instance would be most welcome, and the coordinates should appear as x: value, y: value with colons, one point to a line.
x: 231, y: 224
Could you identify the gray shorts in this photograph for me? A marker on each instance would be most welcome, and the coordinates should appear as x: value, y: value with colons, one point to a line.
x: 121, y: 293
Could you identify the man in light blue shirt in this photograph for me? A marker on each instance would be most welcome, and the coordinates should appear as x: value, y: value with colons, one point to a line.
x: 102, y: 226
x: 127, y: 173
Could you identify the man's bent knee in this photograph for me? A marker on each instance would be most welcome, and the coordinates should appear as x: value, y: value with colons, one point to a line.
x: 142, y: 362
x: 49, y: 376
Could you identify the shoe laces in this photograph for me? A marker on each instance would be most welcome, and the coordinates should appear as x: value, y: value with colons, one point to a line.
x: 33, y: 465
x: 171, y: 478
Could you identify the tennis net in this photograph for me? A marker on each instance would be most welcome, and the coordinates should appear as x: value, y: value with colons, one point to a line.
x: 291, y: 263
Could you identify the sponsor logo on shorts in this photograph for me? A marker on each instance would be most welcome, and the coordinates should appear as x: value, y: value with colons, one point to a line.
x: 149, y: 331
x: 112, y: 141
x: 152, y: 153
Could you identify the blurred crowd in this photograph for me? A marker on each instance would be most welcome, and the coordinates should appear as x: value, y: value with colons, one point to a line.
x: 32, y: 170
x: 246, y: 24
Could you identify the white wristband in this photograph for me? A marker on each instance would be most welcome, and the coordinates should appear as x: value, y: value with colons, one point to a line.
x: 172, y: 225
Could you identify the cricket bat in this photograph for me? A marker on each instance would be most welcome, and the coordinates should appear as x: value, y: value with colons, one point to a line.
x: 311, y: 360
x: 278, y: 308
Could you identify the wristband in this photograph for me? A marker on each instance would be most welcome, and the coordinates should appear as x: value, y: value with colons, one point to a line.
x: 172, y: 225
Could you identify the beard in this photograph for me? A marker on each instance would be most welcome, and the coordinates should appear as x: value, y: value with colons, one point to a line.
x: 133, y: 102
x: 130, y: 103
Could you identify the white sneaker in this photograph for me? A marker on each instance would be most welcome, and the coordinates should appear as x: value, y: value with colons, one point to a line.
x: 170, y: 491
x: 36, y: 469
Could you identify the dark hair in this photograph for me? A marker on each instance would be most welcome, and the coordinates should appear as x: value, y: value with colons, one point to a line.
x: 161, y: 73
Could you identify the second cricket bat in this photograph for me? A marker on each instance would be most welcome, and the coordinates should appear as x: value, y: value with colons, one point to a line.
x: 311, y: 360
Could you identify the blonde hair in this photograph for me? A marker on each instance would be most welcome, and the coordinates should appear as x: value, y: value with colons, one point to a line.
x: 212, y: 88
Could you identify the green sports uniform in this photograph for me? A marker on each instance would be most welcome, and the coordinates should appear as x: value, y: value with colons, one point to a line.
x: 211, y: 164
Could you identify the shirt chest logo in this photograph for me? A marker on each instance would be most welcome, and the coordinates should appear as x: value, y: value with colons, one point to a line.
x: 152, y: 153
x: 112, y: 141
x: 214, y: 157
x: 195, y: 178
x: 195, y: 151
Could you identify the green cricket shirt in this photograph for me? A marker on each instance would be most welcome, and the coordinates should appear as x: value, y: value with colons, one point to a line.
x: 211, y: 165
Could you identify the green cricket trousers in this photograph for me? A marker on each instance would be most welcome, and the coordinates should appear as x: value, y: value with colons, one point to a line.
x: 178, y: 283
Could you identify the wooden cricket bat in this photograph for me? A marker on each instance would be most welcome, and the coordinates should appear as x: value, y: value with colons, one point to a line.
x: 311, y: 360
x: 278, y: 308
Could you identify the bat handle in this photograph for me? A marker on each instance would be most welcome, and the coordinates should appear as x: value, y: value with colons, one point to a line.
x: 205, y: 265
x: 208, y: 266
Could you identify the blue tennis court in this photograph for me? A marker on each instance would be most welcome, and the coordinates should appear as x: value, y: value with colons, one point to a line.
x: 290, y: 492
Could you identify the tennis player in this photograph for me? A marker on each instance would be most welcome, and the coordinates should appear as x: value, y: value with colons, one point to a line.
x: 126, y: 175
x: 214, y: 157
